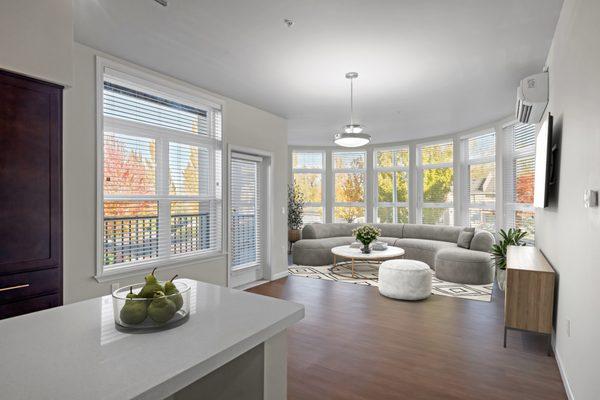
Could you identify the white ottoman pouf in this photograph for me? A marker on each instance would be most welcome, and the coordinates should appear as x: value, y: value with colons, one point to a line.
x: 405, y: 279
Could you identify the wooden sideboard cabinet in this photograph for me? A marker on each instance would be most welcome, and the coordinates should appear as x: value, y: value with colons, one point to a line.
x: 30, y: 195
x: 529, y: 297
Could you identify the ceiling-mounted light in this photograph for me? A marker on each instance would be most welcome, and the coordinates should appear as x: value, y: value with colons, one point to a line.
x: 163, y: 3
x: 353, y: 135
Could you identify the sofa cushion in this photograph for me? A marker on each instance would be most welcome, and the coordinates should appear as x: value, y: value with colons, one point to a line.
x: 319, y: 231
x: 422, y: 249
x: 388, y: 240
x: 390, y: 230
x: 465, y: 237
x: 432, y: 232
x: 482, y: 241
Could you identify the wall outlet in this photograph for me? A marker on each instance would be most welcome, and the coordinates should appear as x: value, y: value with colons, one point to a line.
x: 114, y: 286
x: 568, y: 328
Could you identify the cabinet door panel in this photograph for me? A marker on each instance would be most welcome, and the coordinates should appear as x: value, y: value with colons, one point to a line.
x: 30, y: 175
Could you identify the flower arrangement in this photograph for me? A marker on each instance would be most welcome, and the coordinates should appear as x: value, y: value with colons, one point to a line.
x: 366, y: 234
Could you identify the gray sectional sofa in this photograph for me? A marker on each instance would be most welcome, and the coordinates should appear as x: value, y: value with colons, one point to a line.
x: 437, y: 246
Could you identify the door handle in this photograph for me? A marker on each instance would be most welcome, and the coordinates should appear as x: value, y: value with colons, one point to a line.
x: 14, y: 287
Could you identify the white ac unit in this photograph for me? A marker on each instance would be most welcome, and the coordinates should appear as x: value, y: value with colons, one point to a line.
x: 532, y: 98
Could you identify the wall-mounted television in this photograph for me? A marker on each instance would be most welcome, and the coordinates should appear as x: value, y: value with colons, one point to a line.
x: 543, y: 163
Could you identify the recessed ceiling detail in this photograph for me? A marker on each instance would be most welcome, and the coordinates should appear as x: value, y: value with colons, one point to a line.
x: 448, y: 65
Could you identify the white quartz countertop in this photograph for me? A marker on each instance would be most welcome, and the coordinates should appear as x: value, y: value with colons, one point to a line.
x: 76, y: 352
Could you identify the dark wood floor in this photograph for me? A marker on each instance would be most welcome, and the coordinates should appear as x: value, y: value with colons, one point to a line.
x: 356, y: 344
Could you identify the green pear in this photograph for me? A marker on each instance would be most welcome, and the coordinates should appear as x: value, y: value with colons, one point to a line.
x: 151, y: 286
x: 173, y: 293
x: 161, y: 309
x: 134, y: 311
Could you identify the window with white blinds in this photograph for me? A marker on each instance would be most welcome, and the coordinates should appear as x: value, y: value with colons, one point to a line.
x: 308, y: 175
x: 436, y: 187
x: 390, y: 169
x: 349, y: 183
x: 160, y: 167
x: 519, y: 174
x: 245, y: 212
x: 479, y: 202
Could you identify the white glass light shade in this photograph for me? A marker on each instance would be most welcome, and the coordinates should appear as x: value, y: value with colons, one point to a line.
x: 351, y: 139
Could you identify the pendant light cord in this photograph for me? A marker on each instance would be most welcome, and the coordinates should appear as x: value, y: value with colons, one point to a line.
x: 351, y: 101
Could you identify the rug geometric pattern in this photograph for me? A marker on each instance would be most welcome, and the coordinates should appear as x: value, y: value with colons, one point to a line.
x: 367, y: 275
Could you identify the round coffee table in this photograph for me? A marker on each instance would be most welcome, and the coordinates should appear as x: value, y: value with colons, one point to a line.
x: 353, y: 254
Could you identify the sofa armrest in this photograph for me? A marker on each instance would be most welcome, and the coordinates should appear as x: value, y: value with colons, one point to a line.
x: 482, y: 241
x: 308, y: 232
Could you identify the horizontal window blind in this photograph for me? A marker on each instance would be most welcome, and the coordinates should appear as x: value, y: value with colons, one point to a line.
x: 245, y: 213
x: 519, y: 174
x: 161, y: 174
x: 480, y: 199
x: 349, y: 159
x: 307, y: 160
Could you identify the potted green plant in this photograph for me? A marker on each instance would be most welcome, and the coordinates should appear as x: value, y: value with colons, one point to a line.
x: 295, y: 213
x: 366, y: 234
x: 512, y: 237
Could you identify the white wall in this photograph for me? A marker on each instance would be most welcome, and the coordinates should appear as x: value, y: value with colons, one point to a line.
x: 36, y: 38
x: 243, y: 126
x: 568, y: 233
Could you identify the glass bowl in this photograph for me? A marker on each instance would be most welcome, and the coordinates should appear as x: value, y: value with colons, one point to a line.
x: 148, y: 313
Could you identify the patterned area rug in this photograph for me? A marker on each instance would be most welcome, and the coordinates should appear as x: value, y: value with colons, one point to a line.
x: 367, y: 275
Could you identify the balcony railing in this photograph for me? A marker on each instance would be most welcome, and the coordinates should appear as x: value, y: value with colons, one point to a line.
x: 128, y: 239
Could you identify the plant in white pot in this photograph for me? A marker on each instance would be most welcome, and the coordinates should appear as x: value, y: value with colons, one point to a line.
x: 295, y: 213
x: 512, y: 237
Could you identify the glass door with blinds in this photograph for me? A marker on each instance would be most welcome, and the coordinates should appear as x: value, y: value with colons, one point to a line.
x: 246, y: 222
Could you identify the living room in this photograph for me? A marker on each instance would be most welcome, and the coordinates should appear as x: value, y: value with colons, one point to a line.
x: 302, y: 200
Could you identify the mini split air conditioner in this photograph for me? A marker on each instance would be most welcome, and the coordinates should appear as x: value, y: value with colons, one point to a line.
x: 532, y: 98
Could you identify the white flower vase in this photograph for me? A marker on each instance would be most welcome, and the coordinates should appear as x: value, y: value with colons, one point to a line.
x: 501, y: 278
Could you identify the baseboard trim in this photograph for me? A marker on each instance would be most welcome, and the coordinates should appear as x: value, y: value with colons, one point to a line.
x: 563, y: 375
x: 280, y: 275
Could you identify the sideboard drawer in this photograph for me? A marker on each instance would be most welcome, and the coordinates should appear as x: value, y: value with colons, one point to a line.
x: 18, y: 287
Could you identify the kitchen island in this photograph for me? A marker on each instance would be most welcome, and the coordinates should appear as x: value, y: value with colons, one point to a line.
x: 232, y: 346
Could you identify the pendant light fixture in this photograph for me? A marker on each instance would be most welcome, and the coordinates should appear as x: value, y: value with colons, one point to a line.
x: 353, y: 135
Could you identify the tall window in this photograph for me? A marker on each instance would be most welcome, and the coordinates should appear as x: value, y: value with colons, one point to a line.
x: 349, y: 177
x: 309, y: 178
x: 391, y: 187
x: 519, y: 173
x: 160, y: 168
x: 436, y: 173
x: 479, y: 153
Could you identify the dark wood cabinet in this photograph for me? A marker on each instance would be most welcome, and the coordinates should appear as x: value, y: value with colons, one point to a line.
x: 30, y: 194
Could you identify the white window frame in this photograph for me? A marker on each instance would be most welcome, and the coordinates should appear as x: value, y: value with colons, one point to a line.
x: 467, y: 162
x: 335, y: 171
x: 510, y: 157
x: 178, y: 92
x: 394, y: 169
x: 322, y: 171
x: 421, y: 204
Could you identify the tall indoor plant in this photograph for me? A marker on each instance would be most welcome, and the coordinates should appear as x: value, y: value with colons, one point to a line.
x: 295, y: 213
x: 512, y: 237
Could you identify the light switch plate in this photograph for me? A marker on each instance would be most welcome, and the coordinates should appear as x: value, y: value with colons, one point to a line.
x: 590, y: 198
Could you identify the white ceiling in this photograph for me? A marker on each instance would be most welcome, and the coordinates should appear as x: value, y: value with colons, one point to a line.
x: 427, y: 67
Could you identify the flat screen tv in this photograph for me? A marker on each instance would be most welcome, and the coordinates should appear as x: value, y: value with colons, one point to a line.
x: 543, y: 163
